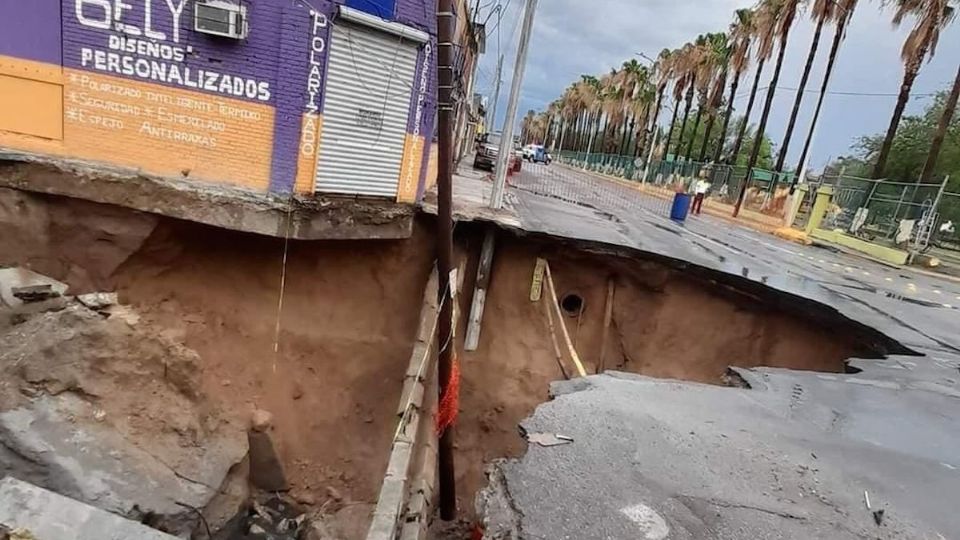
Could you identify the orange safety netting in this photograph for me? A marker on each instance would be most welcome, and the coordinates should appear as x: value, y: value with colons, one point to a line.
x: 450, y: 400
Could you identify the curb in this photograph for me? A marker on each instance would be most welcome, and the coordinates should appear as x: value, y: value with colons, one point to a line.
x: 406, y: 494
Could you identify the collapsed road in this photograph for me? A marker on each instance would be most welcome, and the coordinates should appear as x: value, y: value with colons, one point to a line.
x: 687, y: 303
x: 785, y: 454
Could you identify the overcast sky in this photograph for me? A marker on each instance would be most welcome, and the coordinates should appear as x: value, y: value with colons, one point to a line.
x: 573, y: 37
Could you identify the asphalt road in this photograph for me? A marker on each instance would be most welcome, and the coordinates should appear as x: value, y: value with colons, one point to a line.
x: 789, y: 457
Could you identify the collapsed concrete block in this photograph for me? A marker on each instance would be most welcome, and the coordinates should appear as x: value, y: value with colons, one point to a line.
x: 266, y: 469
x: 48, y: 516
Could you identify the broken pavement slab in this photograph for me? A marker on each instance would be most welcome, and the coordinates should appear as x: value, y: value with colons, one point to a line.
x: 45, y: 515
x: 14, y: 279
x: 789, y: 457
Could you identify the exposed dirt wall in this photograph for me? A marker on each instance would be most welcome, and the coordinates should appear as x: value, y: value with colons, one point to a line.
x: 75, y: 241
x: 350, y: 314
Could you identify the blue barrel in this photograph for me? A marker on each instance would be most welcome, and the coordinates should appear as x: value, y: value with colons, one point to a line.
x: 681, y: 206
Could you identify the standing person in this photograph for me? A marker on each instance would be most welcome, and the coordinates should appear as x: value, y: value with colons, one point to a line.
x: 700, y: 191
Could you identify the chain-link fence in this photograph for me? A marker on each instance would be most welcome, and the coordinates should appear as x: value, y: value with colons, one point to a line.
x: 948, y: 229
x: 911, y: 215
x: 765, y: 191
x: 904, y: 214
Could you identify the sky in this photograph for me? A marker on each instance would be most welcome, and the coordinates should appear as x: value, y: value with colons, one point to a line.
x: 573, y: 37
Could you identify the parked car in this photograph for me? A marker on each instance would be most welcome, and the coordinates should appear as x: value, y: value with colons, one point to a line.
x: 529, y: 151
x: 536, y: 153
x: 488, y: 148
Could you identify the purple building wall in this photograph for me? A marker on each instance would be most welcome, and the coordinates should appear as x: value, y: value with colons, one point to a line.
x: 272, y: 64
x: 33, y: 33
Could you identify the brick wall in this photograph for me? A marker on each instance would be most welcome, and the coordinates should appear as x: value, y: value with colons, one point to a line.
x: 140, y: 88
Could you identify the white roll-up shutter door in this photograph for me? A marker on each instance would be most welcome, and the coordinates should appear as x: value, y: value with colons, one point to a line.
x: 369, y: 83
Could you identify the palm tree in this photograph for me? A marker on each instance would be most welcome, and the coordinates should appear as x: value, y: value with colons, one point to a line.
x: 633, y: 80
x: 719, y: 59
x: 823, y: 11
x: 842, y: 13
x: 783, y: 13
x: 705, y: 73
x: 641, y: 105
x: 587, y: 91
x: 663, y: 68
x: 526, y: 126
x: 949, y: 108
x: 932, y: 16
x: 609, y: 105
x: 741, y: 34
x: 687, y: 66
x: 764, y: 32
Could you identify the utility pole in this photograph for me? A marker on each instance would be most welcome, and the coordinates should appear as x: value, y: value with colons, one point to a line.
x: 445, y: 73
x: 496, y: 196
x: 492, y: 119
x: 506, y: 141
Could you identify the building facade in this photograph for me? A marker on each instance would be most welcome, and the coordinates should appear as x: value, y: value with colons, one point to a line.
x: 276, y: 96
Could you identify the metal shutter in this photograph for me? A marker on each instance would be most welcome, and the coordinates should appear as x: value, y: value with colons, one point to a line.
x: 369, y: 83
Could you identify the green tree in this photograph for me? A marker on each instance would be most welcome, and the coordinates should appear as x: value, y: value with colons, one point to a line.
x: 910, y: 147
x: 930, y: 18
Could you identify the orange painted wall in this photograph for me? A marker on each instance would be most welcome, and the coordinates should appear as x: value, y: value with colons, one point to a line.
x: 157, y: 129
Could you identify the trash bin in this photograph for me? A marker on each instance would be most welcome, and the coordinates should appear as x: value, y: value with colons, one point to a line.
x: 681, y: 206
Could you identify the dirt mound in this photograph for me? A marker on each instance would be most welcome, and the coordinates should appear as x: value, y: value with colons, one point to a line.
x: 109, y: 411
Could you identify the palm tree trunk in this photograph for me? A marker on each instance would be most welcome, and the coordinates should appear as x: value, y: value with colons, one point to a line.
x: 598, y: 134
x: 582, y: 124
x: 909, y: 76
x: 796, y: 104
x: 627, y: 129
x: 746, y: 115
x: 768, y: 104
x: 839, y: 32
x: 696, y: 126
x: 563, y: 135
x: 948, y: 109
x: 686, y: 116
x: 673, y: 123
x: 641, y: 133
x: 642, y: 150
x: 726, y: 119
x: 712, y: 113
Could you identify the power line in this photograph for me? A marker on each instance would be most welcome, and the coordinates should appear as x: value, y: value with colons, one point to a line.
x: 839, y: 93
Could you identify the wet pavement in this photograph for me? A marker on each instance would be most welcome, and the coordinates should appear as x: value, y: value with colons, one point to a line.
x: 789, y: 457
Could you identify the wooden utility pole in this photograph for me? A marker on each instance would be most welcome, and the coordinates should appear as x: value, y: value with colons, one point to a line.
x: 445, y: 346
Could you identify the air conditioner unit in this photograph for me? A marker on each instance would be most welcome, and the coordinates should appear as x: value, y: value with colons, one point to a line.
x: 219, y: 18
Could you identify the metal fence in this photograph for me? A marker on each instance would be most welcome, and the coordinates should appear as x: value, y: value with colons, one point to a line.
x: 910, y: 215
x: 765, y: 191
x: 904, y: 214
x: 948, y: 230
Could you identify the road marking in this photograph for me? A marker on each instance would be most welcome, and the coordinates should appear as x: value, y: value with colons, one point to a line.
x: 937, y: 292
x: 848, y: 269
x: 652, y: 525
x: 866, y: 273
x: 889, y: 279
